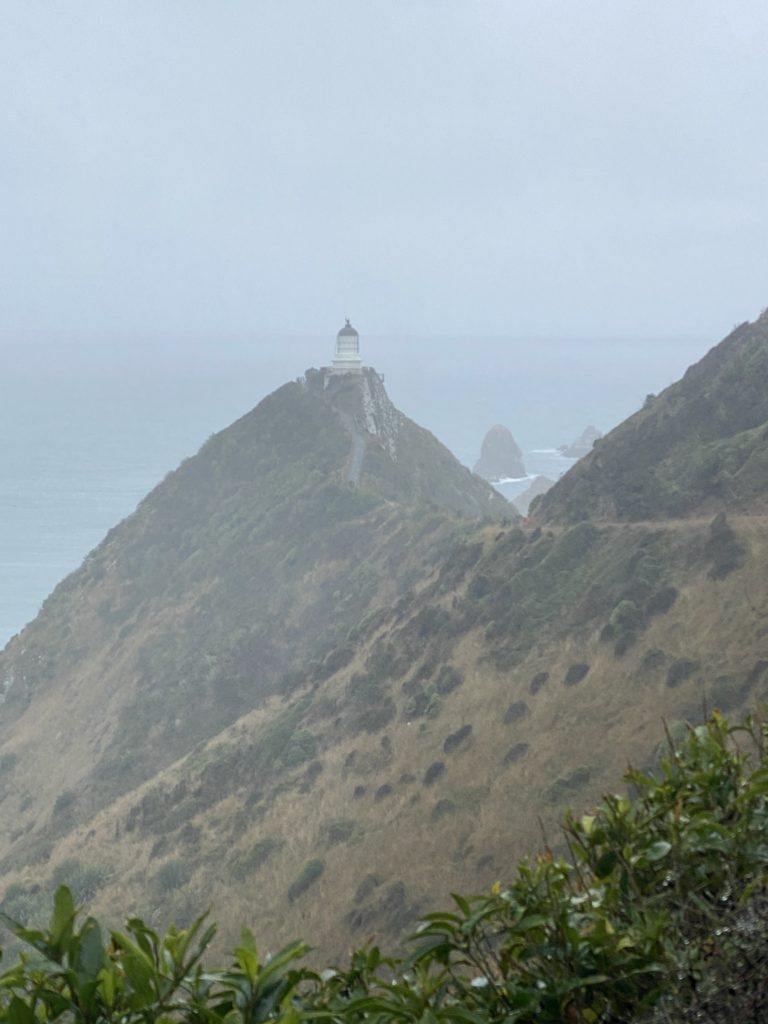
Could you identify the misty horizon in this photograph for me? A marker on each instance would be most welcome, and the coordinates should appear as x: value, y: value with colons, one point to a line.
x: 464, y: 167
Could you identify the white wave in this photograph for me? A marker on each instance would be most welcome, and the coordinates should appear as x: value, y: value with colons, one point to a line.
x: 515, y: 479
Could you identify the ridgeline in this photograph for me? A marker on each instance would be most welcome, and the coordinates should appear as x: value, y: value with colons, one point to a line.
x: 322, y: 676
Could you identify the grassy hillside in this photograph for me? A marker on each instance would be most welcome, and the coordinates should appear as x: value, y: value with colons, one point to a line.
x: 698, y: 447
x: 657, y: 912
x: 328, y: 707
x: 234, y: 580
x: 474, y: 710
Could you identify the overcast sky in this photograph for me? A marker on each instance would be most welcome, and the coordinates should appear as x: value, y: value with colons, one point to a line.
x: 580, y: 167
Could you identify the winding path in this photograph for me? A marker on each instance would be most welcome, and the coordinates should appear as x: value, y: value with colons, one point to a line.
x: 357, y: 451
x: 356, y: 457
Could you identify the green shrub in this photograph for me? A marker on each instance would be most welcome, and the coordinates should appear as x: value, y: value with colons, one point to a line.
x: 301, y: 747
x: 661, y: 602
x: 575, y: 674
x: 339, y: 832
x: 625, y: 616
x: 172, y: 875
x: 455, y: 739
x: 64, y: 802
x: 515, y: 712
x: 659, y: 913
x: 537, y: 682
x: 567, y: 785
x: 366, y: 888
x: 24, y: 904
x: 84, y: 880
x: 680, y: 670
x: 653, y: 659
x: 515, y: 753
x: 723, y: 549
x: 433, y: 773
x: 448, y: 679
x: 250, y: 861
x: 442, y: 809
x: 310, y: 873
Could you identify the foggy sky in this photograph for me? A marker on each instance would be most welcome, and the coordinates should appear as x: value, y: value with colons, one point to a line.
x: 462, y: 166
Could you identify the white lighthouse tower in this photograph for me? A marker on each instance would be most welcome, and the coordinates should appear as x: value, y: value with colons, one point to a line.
x: 346, y: 358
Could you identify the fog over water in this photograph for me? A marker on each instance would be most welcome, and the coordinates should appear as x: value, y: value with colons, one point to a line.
x: 534, y: 212
x: 465, y: 167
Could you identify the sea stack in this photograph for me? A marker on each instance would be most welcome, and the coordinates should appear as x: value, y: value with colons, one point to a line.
x: 500, y: 456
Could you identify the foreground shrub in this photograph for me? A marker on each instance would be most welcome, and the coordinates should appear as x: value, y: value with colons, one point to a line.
x: 659, y: 914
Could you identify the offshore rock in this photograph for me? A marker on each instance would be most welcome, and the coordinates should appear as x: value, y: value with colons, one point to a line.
x: 500, y: 456
x: 582, y: 445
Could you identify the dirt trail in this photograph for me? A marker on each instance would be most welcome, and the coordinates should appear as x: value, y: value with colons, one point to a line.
x: 354, y: 465
x: 356, y: 457
x: 651, y: 524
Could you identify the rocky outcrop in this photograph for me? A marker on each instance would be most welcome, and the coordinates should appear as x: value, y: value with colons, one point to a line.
x: 582, y: 445
x: 500, y: 456
x: 539, y: 486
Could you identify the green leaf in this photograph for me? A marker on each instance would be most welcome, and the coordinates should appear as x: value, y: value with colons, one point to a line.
x: 658, y: 850
x: 90, y: 954
x: 18, y: 1012
x: 63, y: 916
x: 606, y: 863
x: 247, y: 955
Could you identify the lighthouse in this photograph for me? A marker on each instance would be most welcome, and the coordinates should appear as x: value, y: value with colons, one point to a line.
x: 346, y: 358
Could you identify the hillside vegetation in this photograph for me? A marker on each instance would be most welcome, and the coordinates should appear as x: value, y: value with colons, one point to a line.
x: 698, y: 447
x: 656, y: 914
x: 333, y: 702
x: 244, y: 570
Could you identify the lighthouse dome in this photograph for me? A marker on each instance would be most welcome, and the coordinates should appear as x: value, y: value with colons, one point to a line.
x: 346, y: 358
x: 348, y: 331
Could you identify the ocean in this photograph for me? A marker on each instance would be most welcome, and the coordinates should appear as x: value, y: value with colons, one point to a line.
x: 91, y: 424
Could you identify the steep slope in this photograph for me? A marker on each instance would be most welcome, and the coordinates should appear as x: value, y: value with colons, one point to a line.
x: 423, y: 740
x: 520, y: 676
x: 249, y: 563
x: 696, y: 448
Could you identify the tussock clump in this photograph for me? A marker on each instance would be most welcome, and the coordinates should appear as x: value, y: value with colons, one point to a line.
x: 448, y: 679
x: 723, y: 549
x: 368, y: 885
x: 537, y: 682
x: 249, y: 862
x: 661, y: 602
x: 515, y: 712
x: 516, y: 753
x: 680, y: 670
x: 575, y: 674
x: 433, y: 773
x: 567, y: 785
x: 653, y: 659
x: 454, y: 741
x: 310, y: 873
x: 442, y: 809
x: 339, y: 832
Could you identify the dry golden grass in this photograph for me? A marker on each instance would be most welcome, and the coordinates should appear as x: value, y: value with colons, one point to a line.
x: 612, y: 718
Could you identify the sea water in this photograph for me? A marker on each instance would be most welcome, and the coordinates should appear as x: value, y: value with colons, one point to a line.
x: 90, y: 425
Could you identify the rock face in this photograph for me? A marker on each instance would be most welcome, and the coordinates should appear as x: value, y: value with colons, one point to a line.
x: 539, y: 486
x: 500, y: 456
x: 582, y: 445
